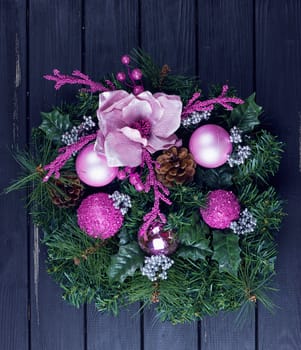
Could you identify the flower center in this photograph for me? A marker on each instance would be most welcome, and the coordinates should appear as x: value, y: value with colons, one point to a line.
x: 144, y: 127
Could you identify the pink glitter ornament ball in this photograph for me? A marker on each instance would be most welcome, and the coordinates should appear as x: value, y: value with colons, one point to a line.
x: 158, y: 241
x: 98, y: 217
x: 222, y: 208
x: 210, y: 145
x: 92, y: 168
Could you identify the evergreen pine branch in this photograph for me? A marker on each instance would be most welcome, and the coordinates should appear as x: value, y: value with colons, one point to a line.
x: 264, y: 160
x: 184, y: 86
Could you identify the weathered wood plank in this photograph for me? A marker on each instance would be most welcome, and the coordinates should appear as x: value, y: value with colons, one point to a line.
x: 278, y: 57
x: 225, y: 43
x: 55, y: 42
x: 13, y: 224
x: 222, y: 333
x: 225, y: 51
x: 168, y: 35
x: 105, y: 331
x: 158, y: 335
x: 111, y: 30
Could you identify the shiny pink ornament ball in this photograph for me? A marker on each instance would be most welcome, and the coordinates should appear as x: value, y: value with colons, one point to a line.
x: 222, y: 208
x: 210, y: 146
x: 92, y: 167
x: 158, y: 241
x: 98, y: 217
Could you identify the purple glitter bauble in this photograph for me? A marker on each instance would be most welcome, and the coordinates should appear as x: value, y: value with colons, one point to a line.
x: 210, y: 146
x: 222, y: 208
x: 158, y: 241
x: 98, y: 217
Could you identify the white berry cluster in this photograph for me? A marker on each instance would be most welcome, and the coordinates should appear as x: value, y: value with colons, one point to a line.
x: 156, y: 266
x: 245, y: 224
x: 235, y: 135
x: 195, y: 118
x: 121, y: 201
x: 239, y: 155
x: 72, y: 136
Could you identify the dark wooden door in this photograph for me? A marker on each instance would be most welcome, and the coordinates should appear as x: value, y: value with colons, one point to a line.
x: 254, y: 45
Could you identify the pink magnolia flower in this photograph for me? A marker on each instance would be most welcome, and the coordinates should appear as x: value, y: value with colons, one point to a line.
x: 129, y: 123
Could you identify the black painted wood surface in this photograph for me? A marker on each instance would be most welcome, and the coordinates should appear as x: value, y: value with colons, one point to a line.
x: 254, y: 45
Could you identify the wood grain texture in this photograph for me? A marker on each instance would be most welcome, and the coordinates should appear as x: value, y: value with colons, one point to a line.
x: 107, y: 332
x: 111, y: 30
x: 13, y: 223
x: 222, y: 333
x: 161, y: 336
x: 168, y: 33
x: 225, y: 42
x: 216, y: 39
x: 55, y: 42
x: 278, y: 58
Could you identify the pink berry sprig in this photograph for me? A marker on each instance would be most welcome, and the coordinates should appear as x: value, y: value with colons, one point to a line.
x: 132, y: 78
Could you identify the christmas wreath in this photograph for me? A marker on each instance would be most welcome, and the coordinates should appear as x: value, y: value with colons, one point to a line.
x: 149, y: 192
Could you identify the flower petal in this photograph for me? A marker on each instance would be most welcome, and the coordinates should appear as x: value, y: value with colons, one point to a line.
x: 120, y: 151
x: 133, y: 135
x: 99, y: 143
x: 156, y: 108
x: 110, y: 100
x: 171, y: 118
x: 110, y: 111
x: 136, y: 109
x: 156, y: 143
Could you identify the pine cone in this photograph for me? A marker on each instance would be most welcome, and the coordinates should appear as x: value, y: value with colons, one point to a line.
x: 176, y: 165
x: 66, y: 193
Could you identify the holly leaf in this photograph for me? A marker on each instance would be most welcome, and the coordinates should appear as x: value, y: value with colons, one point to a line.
x: 124, y: 236
x: 54, y: 124
x: 195, y: 251
x: 217, y: 178
x: 125, y: 262
x: 245, y: 116
x: 195, y: 244
x: 226, y: 252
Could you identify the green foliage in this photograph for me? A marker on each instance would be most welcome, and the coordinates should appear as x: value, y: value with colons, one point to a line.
x: 215, y: 178
x: 125, y: 263
x: 183, y: 86
x: 226, y: 252
x: 194, y: 241
x: 54, y: 124
x: 264, y: 161
x: 213, y: 270
x: 245, y: 116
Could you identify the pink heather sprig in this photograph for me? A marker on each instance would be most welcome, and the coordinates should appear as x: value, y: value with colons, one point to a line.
x: 160, y: 192
x: 195, y: 105
x: 65, y: 153
x: 78, y: 78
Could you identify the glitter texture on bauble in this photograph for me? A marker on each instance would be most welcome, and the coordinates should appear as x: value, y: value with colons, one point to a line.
x: 158, y: 241
x: 98, y: 217
x: 222, y: 208
x: 210, y: 146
